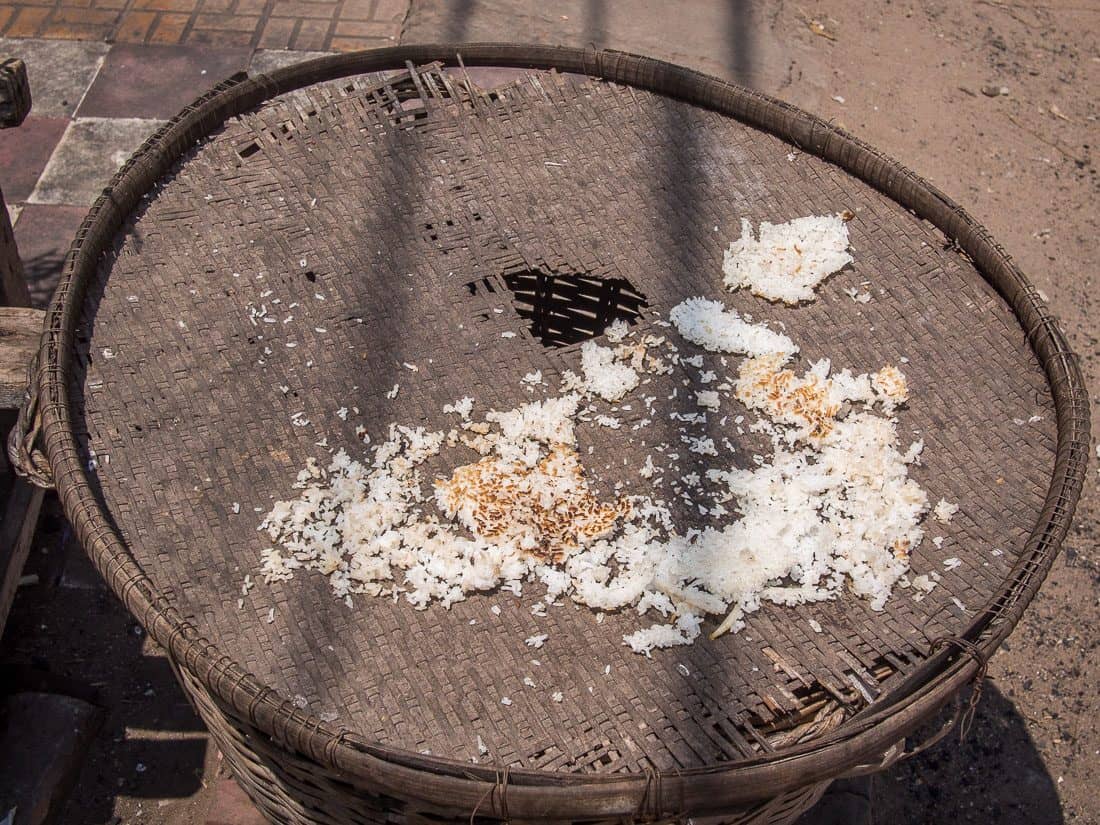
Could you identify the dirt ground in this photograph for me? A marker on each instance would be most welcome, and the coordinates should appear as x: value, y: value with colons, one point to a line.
x: 996, y: 103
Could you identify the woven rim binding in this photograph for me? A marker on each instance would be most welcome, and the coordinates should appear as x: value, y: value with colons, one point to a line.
x: 532, y: 794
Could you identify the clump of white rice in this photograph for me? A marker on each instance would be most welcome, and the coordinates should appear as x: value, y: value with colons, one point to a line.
x: 713, y: 327
x: 811, y: 403
x: 462, y: 408
x: 788, y: 260
x: 945, y: 511
x: 603, y: 375
x: 831, y: 509
x: 843, y: 510
x: 617, y: 331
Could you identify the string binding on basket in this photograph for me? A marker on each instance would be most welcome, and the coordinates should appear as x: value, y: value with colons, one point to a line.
x: 24, y: 448
x: 972, y: 650
x: 498, y: 789
x: 961, y: 718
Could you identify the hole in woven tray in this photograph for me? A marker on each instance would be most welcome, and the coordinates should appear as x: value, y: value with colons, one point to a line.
x: 249, y: 150
x: 599, y: 756
x: 481, y: 287
x: 311, y: 276
x: 433, y: 232
x: 568, y: 309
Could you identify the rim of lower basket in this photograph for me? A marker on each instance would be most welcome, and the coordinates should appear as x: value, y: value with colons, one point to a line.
x: 892, y: 716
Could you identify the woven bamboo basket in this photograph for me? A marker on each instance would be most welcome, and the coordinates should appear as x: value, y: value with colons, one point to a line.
x: 392, y: 187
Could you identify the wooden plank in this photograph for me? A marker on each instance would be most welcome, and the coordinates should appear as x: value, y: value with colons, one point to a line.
x: 20, y: 329
x: 17, y: 522
x: 13, y: 279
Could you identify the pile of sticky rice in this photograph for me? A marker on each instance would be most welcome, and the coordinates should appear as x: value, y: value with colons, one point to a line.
x: 788, y: 260
x: 831, y: 508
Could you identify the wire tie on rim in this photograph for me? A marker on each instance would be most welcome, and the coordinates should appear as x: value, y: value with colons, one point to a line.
x: 972, y: 650
x: 500, y: 782
x: 651, y: 805
x: 593, y: 52
x: 480, y: 801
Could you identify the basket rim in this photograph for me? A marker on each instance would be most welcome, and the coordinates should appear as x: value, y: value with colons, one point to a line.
x: 533, y: 793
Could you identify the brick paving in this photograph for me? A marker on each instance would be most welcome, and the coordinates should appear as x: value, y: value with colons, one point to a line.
x: 177, y: 74
x: 93, y: 104
x: 342, y: 25
x: 105, y: 73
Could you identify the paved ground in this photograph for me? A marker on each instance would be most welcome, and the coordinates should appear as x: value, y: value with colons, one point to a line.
x: 268, y: 24
x: 89, y: 114
x: 906, y: 76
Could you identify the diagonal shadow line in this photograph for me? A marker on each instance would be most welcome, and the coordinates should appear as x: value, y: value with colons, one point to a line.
x: 595, y: 22
x: 457, y: 27
x: 679, y: 162
x: 740, y: 42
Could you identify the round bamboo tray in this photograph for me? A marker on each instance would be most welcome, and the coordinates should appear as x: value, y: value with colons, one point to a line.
x: 399, y: 206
